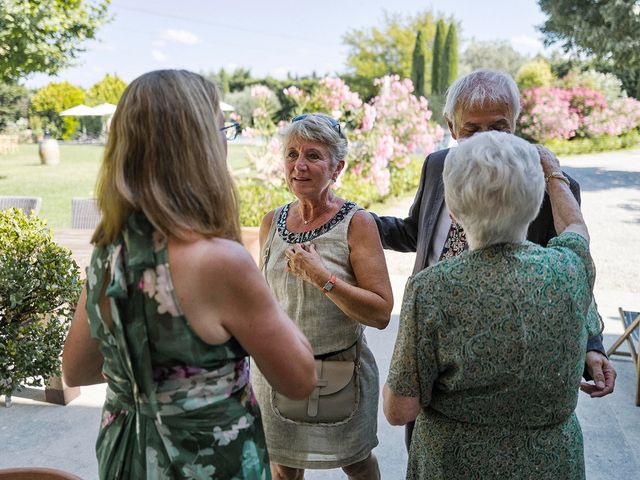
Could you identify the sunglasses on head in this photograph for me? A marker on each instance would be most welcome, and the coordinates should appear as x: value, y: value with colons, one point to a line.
x: 334, y: 123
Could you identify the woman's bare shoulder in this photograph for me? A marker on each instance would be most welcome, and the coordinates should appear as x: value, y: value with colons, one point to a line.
x: 211, y: 258
x: 362, y: 223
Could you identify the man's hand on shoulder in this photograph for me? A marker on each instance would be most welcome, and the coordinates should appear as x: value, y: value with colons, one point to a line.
x: 603, y: 374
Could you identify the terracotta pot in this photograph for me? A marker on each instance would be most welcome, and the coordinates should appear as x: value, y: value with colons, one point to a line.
x: 49, y: 151
x: 251, y: 241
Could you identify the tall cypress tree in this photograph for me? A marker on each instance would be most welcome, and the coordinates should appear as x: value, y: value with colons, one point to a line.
x: 436, y: 61
x: 450, y: 59
x: 223, y: 77
x: 418, y: 66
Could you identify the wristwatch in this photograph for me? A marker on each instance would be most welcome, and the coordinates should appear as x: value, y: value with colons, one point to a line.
x: 559, y: 175
x: 329, y: 285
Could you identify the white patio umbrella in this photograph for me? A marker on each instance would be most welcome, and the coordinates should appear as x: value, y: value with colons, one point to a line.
x: 78, y: 111
x: 104, y: 109
x: 225, y: 107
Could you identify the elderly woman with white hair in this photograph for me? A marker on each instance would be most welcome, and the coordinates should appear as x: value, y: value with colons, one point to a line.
x: 491, y: 343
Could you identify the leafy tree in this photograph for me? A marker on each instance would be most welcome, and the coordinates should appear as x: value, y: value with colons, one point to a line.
x: 240, y: 78
x: 536, y: 73
x: 450, y: 59
x: 495, y: 54
x: 606, y: 83
x: 221, y: 78
x: 378, y: 51
x: 223, y: 82
x: 245, y: 104
x: 13, y: 101
x: 107, y: 90
x: 436, y: 60
x: 45, y: 35
x: 605, y: 30
x: 418, y: 66
x: 52, y: 99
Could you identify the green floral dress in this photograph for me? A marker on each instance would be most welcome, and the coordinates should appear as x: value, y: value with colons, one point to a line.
x: 176, y: 407
x: 493, y: 343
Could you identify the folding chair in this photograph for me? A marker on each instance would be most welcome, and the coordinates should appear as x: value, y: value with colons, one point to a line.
x: 26, y: 204
x: 631, y: 322
x: 84, y: 213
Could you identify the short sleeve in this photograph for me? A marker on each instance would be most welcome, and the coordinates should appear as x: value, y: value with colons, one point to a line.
x: 409, y: 376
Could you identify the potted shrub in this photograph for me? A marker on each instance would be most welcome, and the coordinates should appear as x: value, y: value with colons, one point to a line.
x: 39, y: 288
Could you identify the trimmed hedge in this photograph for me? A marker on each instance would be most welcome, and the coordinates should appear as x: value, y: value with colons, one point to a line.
x: 577, y: 146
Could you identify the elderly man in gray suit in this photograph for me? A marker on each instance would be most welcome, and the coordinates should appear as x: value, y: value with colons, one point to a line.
x: 480, y: 101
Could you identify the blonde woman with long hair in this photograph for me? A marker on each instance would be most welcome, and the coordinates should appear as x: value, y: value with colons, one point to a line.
x: 173, y: 303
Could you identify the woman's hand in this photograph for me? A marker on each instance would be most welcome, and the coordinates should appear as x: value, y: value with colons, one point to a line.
x: 566, y: 211
x: 548, y: 160
x: 303, y: 261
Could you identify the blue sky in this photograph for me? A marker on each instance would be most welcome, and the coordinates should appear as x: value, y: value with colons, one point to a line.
x: 270, y: 36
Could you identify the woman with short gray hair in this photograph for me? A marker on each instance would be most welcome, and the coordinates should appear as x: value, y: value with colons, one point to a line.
x: 322, y: 258
x: 480, y: 330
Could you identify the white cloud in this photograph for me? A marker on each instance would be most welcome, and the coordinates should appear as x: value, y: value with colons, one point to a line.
x: 526, y: 43
x: 181, y: 36
x: 159, y: 55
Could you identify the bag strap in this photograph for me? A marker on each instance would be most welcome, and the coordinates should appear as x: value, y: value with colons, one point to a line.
x: 357, y: 344
x: 267, y: 245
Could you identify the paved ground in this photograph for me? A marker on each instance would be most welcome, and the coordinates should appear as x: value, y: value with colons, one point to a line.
x: 34, y: 433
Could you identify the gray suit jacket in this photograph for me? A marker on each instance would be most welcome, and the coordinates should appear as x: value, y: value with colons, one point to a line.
x: 415, y: 232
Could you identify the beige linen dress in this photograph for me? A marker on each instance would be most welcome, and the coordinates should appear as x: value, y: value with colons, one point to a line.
x: 305, y: 445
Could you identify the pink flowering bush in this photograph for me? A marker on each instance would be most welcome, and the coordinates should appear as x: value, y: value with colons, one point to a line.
x: 553, y: 114
x: 546, y: 114
x: 400, y: 124
x: 262, y: 114
x: 335, y: 98
x: 628, y: 112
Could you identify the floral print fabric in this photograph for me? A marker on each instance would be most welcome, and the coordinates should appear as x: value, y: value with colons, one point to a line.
x: 493, y: 343
x: 176, y: 407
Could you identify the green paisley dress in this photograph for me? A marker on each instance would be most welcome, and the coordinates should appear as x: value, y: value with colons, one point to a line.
x: 493, y: 343
x: 176, y: 407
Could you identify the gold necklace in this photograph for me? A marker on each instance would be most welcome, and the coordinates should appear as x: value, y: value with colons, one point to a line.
x: 307, y: 222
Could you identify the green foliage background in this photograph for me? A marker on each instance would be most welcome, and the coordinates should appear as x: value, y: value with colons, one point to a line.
x: 606, y: 31
x: 52, y: 99
x: 418, y: 66
x: 436, y: 59
x: 45, y: 35
x: 13, y: 103
x: 450, y: 58
x: 39, y: 288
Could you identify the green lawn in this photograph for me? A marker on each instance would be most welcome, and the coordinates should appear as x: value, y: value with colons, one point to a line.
x: 22, y: 174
